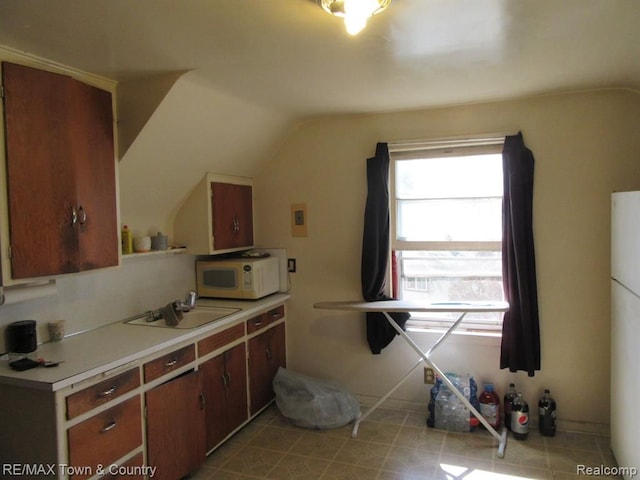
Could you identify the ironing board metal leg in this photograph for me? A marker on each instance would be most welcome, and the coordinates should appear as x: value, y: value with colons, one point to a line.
x: 354, y: 432
x: 502, y: 439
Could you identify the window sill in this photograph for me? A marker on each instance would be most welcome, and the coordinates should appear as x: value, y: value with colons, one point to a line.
x: 475, y: 338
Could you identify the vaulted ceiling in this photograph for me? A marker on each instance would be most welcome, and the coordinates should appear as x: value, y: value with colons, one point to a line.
x: 215, y: 85
x: 289, y: 55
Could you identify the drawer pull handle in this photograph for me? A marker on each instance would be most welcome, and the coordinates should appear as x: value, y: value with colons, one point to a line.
x: 257, y: 323
x: 275, y: 314
x: 203, y: 402
x: 171, y: 363
x: 108, y: 427
x: 106, y: 393
x: 269, y: 354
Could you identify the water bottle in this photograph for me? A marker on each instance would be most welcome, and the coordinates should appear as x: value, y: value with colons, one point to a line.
x: 547, y: 415
x: 520, y: 418
x: 509, y: 398
x: 490, y: 405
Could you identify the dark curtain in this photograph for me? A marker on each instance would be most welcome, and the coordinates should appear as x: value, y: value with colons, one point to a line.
x: 375, y: 250
x: 520, y: 348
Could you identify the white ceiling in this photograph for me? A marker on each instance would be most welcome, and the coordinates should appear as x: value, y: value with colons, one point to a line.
x: 291, y: 56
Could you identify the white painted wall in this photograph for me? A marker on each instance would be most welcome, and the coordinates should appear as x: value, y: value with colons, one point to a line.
x: 93, y: 299
x: 195, y: 129
x: 585, y: 144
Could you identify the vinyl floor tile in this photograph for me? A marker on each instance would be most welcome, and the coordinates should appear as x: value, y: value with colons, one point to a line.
x: 397, y: 445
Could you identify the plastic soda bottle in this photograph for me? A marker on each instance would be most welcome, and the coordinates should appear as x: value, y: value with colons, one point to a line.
x: 520, y: 418
x: 547, y: 415
x: 490, y: 405
x: 509, y: 398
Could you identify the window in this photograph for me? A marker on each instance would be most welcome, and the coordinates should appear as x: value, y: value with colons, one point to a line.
x: 447, y: 231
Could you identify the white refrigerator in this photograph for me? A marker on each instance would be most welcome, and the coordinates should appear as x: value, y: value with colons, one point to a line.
x: 625, y: 328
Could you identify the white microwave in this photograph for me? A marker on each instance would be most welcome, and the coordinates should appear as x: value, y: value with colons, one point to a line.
x: 246, y: 278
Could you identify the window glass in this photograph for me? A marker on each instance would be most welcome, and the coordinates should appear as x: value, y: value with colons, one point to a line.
x: 447, y: 235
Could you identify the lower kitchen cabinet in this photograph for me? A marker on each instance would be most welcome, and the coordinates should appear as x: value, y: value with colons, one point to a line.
x: 224, y: 382
x: 188, y: 397
x: 175, y: 427
x: 267, y: 353
x: 105, y: 437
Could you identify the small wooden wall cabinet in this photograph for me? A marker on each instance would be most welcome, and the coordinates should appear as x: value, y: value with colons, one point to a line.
x: 217, y: 217
x: 165, y: 411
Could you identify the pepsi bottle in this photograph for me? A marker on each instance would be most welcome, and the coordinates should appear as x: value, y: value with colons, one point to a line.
x: 520, y: 418
x: 547, y: 415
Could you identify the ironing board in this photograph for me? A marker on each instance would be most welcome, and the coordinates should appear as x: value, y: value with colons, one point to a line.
x: 461, y: 308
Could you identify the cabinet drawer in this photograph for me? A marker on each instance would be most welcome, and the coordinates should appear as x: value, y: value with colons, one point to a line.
x: 105, y: 437
x: 129, y: 470
x: 261, y: 321
x: 220, y: 339
x: 169, y: 362
x: 102, y: 392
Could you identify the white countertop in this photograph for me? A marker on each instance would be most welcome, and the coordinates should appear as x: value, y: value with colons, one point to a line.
x: 100, y: 350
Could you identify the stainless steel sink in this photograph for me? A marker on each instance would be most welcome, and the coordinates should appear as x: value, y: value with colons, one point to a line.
x: 193, y: 319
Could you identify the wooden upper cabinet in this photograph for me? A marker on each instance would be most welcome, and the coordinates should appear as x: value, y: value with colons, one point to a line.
x: 60, y: 173
x: 217, y: 216
x: 232, y: 209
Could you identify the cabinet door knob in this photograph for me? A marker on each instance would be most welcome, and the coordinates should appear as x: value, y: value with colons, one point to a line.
x: 82, y: 215
x: 74, y: 216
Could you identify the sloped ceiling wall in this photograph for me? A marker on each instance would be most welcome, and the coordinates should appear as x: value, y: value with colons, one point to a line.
x: 194, y: 129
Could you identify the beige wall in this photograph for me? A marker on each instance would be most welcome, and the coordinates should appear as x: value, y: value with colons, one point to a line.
x: 586, y: 146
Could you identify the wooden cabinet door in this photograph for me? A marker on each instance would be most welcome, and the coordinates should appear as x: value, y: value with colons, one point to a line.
x: 224, y: 381
x: 232, y: 211
x: 175, y: 427
x: 40, y: 177
x: 60, y: 173
x: 267, y: 352
x: 235, y: 361
x: 94, y: 164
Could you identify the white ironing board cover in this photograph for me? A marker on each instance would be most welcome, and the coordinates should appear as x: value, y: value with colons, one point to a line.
x: 405, y: 306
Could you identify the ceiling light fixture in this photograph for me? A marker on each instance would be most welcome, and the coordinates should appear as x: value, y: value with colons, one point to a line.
x: 355, y: 12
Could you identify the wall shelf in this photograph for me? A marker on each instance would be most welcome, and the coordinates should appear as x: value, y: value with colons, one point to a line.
x: 152, y: 253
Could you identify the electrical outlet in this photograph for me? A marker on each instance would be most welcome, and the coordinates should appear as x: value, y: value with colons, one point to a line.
x: 429, y: 375
x: 291, y: 265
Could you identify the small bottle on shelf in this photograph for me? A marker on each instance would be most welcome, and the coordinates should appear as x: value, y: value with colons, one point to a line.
x: 127, y: 240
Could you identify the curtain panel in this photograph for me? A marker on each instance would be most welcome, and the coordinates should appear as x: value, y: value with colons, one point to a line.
x: 520, y: 349
x: 375, y: 250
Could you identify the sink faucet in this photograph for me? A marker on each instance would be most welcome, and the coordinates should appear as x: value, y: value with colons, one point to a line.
x: 188, y: 304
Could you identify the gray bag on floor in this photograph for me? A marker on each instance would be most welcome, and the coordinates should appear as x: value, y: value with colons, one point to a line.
x: 313, y: 403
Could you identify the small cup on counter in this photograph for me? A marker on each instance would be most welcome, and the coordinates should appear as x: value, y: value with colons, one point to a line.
x: 141, y: 244
x: 56, y: 330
